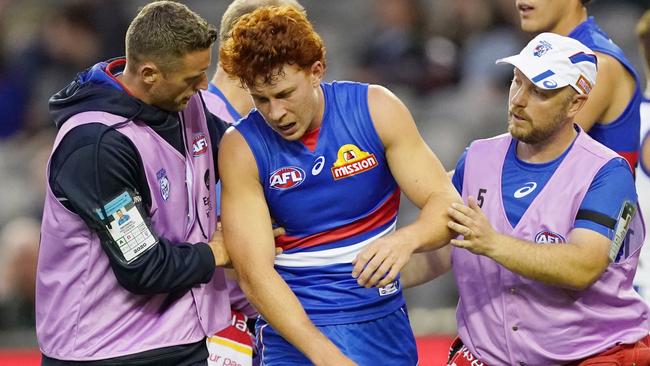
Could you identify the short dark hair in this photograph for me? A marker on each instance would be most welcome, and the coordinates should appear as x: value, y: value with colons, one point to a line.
x: 242, y: 7
x: 163, y: 31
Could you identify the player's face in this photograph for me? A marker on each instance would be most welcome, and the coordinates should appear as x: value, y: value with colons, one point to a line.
x: 538, y: 16
x: 293, y: 104
x: 535, y: 115
x: 174, y: 89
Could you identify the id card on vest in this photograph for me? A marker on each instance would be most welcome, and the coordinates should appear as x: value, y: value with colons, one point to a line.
x: 232, y: 346
x: 625, y: 216
x: 126, y: 226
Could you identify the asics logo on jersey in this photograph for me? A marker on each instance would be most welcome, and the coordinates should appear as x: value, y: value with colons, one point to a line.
x: 525, y: 190
x: 286, y: 177
x: 318, y: 166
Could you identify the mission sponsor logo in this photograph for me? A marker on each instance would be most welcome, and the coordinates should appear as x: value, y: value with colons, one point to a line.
x: 547, y: 236
x: 286, y: 178
x: 351, y: 161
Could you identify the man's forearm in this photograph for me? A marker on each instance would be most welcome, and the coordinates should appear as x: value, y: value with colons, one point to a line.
x: 430, y: 230
x: 279, y: 306
x: 424, y: 267
x: 563, y: 264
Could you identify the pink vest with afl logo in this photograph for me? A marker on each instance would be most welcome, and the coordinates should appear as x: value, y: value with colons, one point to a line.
x: 82, y: 312
x: 504, y: 318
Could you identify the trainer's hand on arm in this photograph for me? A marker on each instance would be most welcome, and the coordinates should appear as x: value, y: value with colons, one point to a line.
x: 469, y: 221
x: 221, y: 257
x: 585, y: 252
x: 423, y: 180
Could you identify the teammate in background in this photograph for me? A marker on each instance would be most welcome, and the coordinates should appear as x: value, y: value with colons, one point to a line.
x: 611, y: 115
x: 233, y: 100
x: 131, y: 132
x: 326, y: 161
x: 550, y: 233
x: 228, y: 100
x: 642, y: 278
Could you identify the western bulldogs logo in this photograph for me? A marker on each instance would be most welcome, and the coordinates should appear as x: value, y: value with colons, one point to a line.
x: 286, y: 177
x: 164, y: 183
x: 548, y: 236
x: 542, y: 48
x: 199, y: 144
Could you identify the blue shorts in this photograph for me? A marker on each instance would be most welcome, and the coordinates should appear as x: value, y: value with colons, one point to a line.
x: 384, y: 341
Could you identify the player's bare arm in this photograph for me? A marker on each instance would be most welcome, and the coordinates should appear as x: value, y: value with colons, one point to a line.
x: 612, y: 93
x: 421, y: 177
x: 426, y: 266
x: 250, y: 243
x: 575, y: 265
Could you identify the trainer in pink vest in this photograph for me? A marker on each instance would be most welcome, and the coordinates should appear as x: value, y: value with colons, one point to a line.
x: 82, y: 312
x: 506, y: 319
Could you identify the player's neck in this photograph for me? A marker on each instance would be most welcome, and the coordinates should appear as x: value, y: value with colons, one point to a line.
x: 550, y: 149
x: 570, y: 21
x: 232, y: 89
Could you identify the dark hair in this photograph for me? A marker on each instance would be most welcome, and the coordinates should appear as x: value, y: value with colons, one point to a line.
x: 584, y: 2
x: 262, y: 42
x: 164, y: 31
x: 242, y: 7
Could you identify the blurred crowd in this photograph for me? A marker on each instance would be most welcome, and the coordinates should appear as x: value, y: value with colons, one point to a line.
x: 437, y: 55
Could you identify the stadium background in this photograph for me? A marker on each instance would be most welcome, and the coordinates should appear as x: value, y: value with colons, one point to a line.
x: 437, y: 55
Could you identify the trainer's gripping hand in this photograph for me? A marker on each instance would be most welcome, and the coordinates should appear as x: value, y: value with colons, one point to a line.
x: 479, y: 237
x: 379, y: 263
x: 221, y: 257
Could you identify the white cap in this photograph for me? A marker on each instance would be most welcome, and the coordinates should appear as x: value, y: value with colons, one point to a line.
x: 552, y: 61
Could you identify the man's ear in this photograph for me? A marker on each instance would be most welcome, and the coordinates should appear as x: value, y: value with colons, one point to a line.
x: 577, y: 102
x: 149, y: 72
x: 317, y: 72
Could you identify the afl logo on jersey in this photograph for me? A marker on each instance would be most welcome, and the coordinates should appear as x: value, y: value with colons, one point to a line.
x: 286, y: 177
x: 547, y: 236
x: 351, y: 160
x: 199, y: 144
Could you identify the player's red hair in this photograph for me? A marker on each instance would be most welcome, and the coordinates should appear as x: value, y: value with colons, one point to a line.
x: 267, y: 39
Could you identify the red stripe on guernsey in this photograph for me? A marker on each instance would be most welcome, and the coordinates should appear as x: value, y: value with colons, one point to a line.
x: 381, y: 216
x: 310, y: 139
x: 631, y: 158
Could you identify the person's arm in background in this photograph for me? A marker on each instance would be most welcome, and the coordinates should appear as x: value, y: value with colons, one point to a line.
x: 249, y: 239
x: 426, y: 266
x: 167, y: 266
x: 423, y: 180
x: 610, y: 96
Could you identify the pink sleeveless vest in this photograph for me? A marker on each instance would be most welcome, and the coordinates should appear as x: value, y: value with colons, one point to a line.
x: 504, y: 318
x: 82, y: 313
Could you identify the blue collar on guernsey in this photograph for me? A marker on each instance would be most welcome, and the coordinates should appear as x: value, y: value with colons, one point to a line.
x: 233, y: 112
x: 104, y: 73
